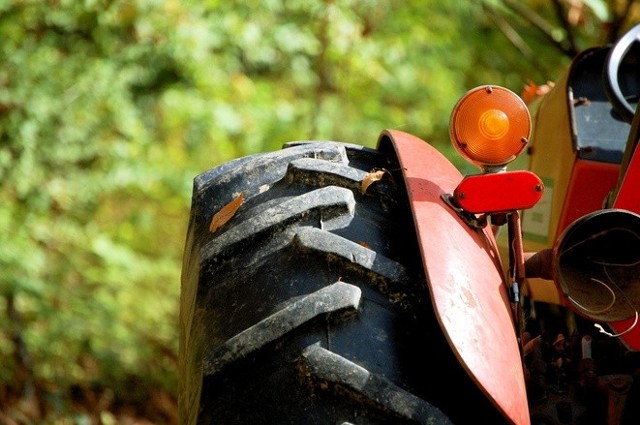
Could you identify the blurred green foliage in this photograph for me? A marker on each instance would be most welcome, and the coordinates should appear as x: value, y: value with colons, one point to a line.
x: 109, y: 108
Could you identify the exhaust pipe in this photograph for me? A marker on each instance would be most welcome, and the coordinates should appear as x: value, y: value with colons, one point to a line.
x: 595, y: 265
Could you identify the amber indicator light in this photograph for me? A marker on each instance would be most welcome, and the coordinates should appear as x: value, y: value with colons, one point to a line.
x: 490, y: 126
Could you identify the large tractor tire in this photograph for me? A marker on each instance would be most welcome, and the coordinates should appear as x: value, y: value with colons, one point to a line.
x: 310, y: 304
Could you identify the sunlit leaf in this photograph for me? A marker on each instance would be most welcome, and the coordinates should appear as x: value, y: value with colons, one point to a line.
x: 226, y: 213
x: 364, y: 244
x: 599, y: 8
x: 372, y: 177
x: 532, y: 92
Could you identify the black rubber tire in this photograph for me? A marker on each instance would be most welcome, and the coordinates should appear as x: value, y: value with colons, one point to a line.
x: 310, y: 305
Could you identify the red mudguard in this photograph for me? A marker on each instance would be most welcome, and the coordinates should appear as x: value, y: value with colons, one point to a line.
x: 465, y: 278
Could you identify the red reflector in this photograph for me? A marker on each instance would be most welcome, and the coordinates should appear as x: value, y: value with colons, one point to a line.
x: 499, y: 192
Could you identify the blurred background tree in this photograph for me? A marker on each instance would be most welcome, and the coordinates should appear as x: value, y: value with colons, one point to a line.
x: 109, y: 108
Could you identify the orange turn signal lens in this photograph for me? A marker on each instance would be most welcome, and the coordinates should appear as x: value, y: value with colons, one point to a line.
x: 490, y: 126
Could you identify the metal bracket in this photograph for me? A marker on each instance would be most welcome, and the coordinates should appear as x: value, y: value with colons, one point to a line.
x: 476, y: 222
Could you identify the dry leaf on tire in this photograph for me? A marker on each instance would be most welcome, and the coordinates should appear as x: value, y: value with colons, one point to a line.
x: 373, y: 176
x: 226, y: 213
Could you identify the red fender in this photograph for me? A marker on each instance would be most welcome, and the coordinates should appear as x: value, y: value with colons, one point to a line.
x: 465, y: 278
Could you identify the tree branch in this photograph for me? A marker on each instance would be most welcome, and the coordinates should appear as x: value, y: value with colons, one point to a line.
x: 544, y: 27
x: 512, y: 35
x: 617, y: 20
x: 572, y: 50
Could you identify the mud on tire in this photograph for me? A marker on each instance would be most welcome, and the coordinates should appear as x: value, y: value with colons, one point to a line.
x: 310, y: 305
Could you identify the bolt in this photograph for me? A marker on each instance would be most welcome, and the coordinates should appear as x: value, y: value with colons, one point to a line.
x: 539, y: 188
